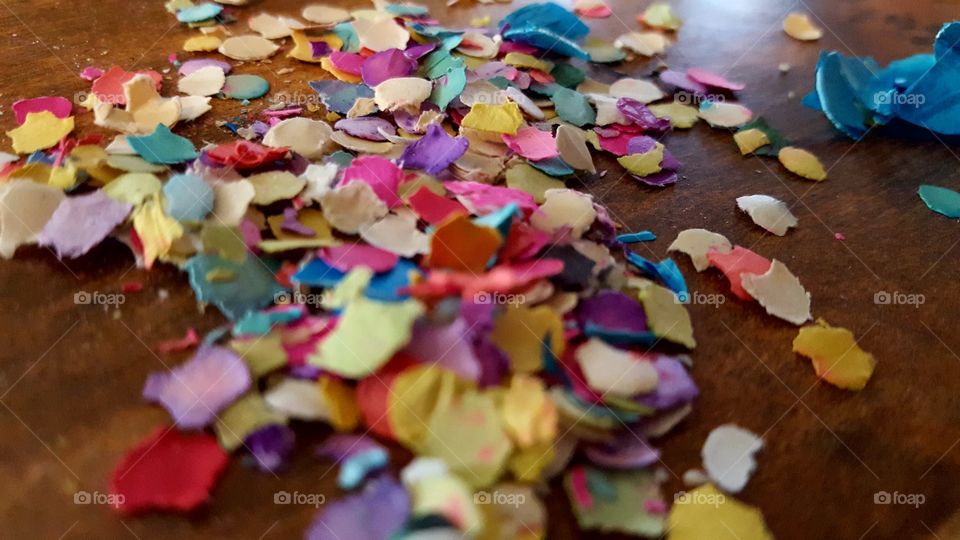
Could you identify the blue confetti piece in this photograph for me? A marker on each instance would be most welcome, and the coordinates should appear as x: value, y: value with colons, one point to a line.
x: 633, y: 238
x: 666, y: 271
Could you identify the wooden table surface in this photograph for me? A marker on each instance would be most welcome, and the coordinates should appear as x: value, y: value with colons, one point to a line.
x: 71, y: 376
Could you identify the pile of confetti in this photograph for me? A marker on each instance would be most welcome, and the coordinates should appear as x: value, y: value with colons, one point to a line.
x: 403, y: 260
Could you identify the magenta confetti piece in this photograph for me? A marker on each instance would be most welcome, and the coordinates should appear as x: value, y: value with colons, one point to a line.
x: 382, y: 174
x: 682, y: 81
x: 347, y: 62
x: 59, y: 106
x: 346, y: 257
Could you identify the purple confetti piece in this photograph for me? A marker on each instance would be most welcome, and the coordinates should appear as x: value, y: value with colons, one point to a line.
x: 194, y: 392
x: 659, y: 179
x: 341, y: 446
x: 682, y: 81
x: 407, y: 120
x: 433, y: 152
x: 674, y: 386
x: 628, y: 452
x: 385, y: 65
x: 446, y: 346
x: 291, y: 223
x: 418, y: 51
x: 376, y: 513
x: 270, y: 446
x: 367, y: 127
x: 613, y: 312
x: 319, y: 48
x: 643, y: 144
x: 642, y: 116
x: 81, y: 222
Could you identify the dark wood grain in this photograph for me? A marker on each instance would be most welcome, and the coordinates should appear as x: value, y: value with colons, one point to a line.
x: 70, y: 376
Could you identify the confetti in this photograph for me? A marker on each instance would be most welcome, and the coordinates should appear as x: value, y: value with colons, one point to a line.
x: 728, y: 456
x: 941, y: 200
x: 836, y: 356
x: 800, y: 27
x: 770, y: 213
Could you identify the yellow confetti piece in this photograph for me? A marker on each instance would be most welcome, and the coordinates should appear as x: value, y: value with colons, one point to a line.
x: 468, y: 435
x: 800, y: 27
x: 749, y: 140
x: 93, y: 160
x: 528, y: 414
x: 273, y: 186
x: 342, y: 401
x: 480, y: 22
x: 659, y: 15
x: 156, y: 230
x: 40, y: 130
x: 527, y: 61
x: 802, y: 163
x: 313, y: 219
x: 836, y: 356
x: 133, y: 188
x: 352, y: 351
x: 527, y: 178
x: 681, y: 116
x: 203, y: 43
x: 705, y: 512
x: 63, y: 177
x: 262, y: 354
x: 415, y: 395
x: 666, y: 317
x: 528, y: 464
x: 522, y: 334
x: 448, y: 496
x: 643, y: 164
x: 504, y: 118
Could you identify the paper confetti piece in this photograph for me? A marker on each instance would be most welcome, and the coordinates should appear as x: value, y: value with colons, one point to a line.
x: 532, y: 143
x: 770, y: 213
x: 249, y: 47
x: 459, y: 244
x: 802, y: 163
x: 800, y: 27
x: 168, y: 470
x: 307, y: 137
x: 163, y: 147
x: 697, y: 243
x: 941, y: 200
x: 724, y: 114
x: 349, y: 350
x: 736, y: 262
x: 79, y: 223
x: 504, y: 118
x: 728, y: 456
x: 402, y: 92
x: 705, y: 512
x: 25, y: 209
x: 779, y: 292
x: 615, y: 372
x: 38, y: 131
x: 59, y: 106
x: 196, y: 391
x: 205, y: 81
x: 659, y: 15
x: 836, y: 356
x: 748, y: 140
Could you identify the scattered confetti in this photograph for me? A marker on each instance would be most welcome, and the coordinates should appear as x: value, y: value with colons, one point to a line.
x: 836, y: 356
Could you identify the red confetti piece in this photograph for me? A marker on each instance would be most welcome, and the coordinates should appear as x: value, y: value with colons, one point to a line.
x: 168, y: 470
x: 244, y: 154
x: 179, y: 344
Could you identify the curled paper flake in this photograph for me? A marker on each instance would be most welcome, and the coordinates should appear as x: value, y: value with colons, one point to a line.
x: 800, y: 27
x: 770, y: 213
x: 205, y: 81
x: 779, y: 292
x: 25, y: 209
x: 836, y: 356
x: 643, y: 43
x: 637, y: 89
x: 697, y: 243
x: 728, y: 456
x: 736, y: 262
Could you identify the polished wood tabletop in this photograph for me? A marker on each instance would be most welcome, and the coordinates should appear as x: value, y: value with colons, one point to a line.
x: 71, y: 375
